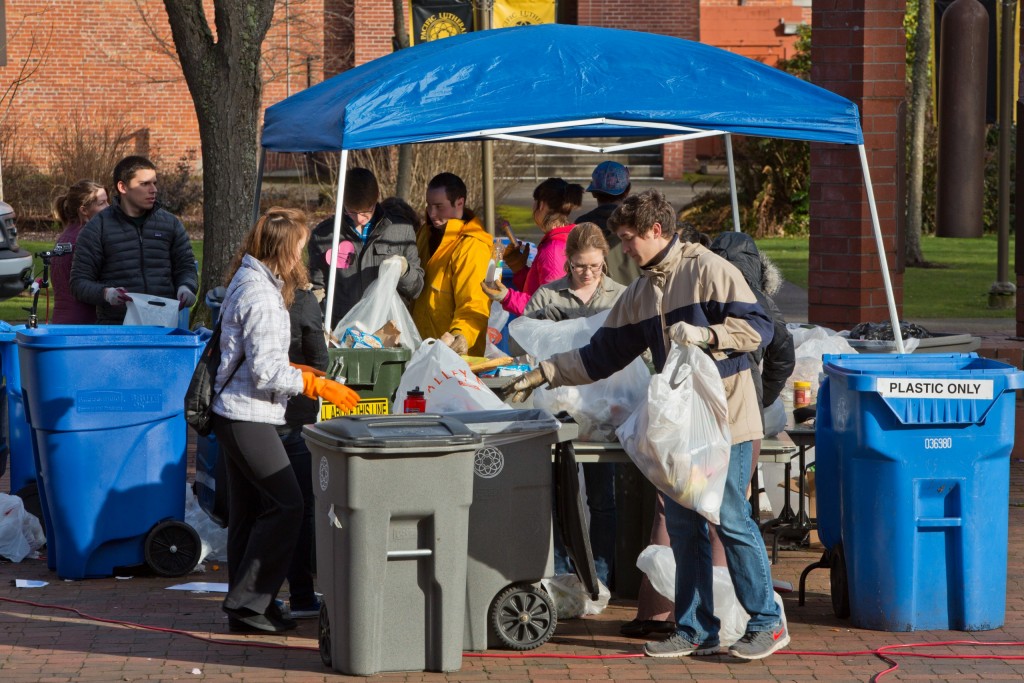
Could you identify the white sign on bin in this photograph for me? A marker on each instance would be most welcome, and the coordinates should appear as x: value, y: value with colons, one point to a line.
x: 931, y: 387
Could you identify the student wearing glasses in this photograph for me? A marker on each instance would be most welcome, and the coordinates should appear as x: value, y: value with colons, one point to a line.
x: 369, y: 234
x: 585, y: 290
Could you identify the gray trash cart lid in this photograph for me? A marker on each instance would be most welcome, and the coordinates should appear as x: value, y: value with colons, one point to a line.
x: 426, y: 433
x: 499, y: 427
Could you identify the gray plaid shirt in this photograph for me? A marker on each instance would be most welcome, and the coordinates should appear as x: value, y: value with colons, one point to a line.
x: 254, y: 322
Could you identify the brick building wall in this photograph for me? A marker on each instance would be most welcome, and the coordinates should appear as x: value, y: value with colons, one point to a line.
x: 107, y: 64
x: 124, y: 71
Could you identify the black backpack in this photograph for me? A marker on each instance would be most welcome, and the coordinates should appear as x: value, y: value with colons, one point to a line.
x: 200, y: 394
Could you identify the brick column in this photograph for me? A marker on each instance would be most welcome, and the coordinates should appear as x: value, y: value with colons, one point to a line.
x: 858, y: 52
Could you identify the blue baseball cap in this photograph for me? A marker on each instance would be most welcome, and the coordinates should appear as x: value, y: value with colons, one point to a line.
x: 609, y: 177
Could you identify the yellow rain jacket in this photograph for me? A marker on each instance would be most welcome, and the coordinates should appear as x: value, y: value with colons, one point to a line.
x: 452, y: 299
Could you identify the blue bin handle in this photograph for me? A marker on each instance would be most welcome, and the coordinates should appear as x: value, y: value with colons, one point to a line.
x: 1015, y: 381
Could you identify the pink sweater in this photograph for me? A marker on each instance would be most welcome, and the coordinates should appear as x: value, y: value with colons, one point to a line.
x: 548, y: 266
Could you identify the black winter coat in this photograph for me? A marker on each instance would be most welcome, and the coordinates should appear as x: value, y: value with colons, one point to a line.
x: 308, y: 347
x: 778, y: 359
x: 112, y: 252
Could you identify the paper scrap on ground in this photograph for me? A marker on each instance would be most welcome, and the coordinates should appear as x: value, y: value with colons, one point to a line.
x: 208, y: 586
x: 30, y: 583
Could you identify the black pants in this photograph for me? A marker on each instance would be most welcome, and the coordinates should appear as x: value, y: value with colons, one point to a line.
x: 300, y: 574
x: 265, y: 510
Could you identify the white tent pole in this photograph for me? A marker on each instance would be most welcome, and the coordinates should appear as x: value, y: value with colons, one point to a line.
x: 332, y: 271
x: 876, y: 225
x: 732, y: 183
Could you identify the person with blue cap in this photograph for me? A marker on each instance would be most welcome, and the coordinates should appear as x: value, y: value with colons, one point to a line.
x: 610, y: 184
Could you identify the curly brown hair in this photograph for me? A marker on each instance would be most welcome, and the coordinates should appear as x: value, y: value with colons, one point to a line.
x: 642, y: 211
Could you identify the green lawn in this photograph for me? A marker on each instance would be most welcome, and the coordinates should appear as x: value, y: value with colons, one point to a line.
x: 957, y: 290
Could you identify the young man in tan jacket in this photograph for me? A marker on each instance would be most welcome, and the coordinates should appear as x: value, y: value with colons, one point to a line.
x: 688, y: 295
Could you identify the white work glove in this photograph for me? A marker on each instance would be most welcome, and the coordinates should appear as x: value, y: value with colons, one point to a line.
x: 684, y: 333
x: 185, y: 297
x: 116, y: 296
x: 401, y: 259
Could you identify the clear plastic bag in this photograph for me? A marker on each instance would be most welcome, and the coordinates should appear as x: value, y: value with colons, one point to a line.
x: 213, y: 538
x: 679, y: 436
x: 571, y: 599
x: 658, y: 563
x: 598, y: 408
x: 21, y: 535
x: 381, y: 303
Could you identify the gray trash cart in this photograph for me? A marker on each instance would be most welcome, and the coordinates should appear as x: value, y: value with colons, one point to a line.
x: 510, y: 537
x: 392, y: 515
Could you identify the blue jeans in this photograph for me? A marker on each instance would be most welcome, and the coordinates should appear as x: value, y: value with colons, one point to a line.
x: 600, y: 481
x: 744, y: 553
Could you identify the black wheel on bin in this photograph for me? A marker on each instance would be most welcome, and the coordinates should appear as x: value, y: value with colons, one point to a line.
x: 172, y: 548
x: 324, y: 636
x: 523, y: 617
x: 837, y: 580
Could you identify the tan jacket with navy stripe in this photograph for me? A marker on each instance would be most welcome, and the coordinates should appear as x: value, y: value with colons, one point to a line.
x: 688, y: 284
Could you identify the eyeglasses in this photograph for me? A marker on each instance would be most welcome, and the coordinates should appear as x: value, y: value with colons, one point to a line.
x: 360, y: 214
x: 579, y: 269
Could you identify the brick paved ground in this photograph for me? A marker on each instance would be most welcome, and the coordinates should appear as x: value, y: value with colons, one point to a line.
x: 40, y: 644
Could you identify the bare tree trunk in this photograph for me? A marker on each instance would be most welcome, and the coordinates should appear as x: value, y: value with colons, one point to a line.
x: 223, y: 77
x: 920, y: 92
x: 403, y: 183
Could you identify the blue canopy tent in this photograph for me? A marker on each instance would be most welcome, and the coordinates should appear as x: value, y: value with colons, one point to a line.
x: 538, y: 84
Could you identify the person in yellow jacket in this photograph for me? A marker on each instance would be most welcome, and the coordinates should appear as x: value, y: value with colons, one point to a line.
x: 455, y: 252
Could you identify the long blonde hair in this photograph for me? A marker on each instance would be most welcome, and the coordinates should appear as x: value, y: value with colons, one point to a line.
x: 275, y: 241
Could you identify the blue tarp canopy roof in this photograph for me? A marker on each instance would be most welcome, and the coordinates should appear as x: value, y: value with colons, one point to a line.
x: 553, y: 80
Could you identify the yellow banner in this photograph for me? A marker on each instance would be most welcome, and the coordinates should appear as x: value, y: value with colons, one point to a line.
x: 523, y: 13
x: 367, y: 406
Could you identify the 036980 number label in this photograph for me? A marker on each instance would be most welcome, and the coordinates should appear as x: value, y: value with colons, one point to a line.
x: 938, y: 442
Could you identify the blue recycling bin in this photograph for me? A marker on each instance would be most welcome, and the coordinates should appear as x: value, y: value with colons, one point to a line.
x: 106, y: 408
x: 913, y: 453
x: 18, y: 434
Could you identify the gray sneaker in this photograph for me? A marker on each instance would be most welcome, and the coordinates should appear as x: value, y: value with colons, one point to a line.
x: 679, y: 646
x: 760, y: 644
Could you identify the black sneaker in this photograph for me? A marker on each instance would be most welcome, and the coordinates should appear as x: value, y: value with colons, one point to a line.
x: 247, y: 621
x: 276, y: 615
x: 760, y: 644
x: 679, y: 646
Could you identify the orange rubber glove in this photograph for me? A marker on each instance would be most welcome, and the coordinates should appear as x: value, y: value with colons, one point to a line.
x: 329, y: 390
x: 308, y: 368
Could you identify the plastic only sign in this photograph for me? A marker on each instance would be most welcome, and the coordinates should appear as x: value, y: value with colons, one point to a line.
x: 931, y: 387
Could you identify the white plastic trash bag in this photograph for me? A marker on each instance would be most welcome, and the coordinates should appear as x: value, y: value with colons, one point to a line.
x: 660, y: 568
x: 679, y: 436
x: 381, y: 303
x: 446, y: 381
x: 598, y: 408
x: 146, y: 309
x: 659, y: 564
x: 21, y: 535
x: 571, y: 599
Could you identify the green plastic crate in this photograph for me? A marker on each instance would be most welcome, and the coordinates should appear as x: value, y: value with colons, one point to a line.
x: 374, y: 374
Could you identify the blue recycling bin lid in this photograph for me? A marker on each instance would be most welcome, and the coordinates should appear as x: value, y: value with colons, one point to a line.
x: 954, y: 388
